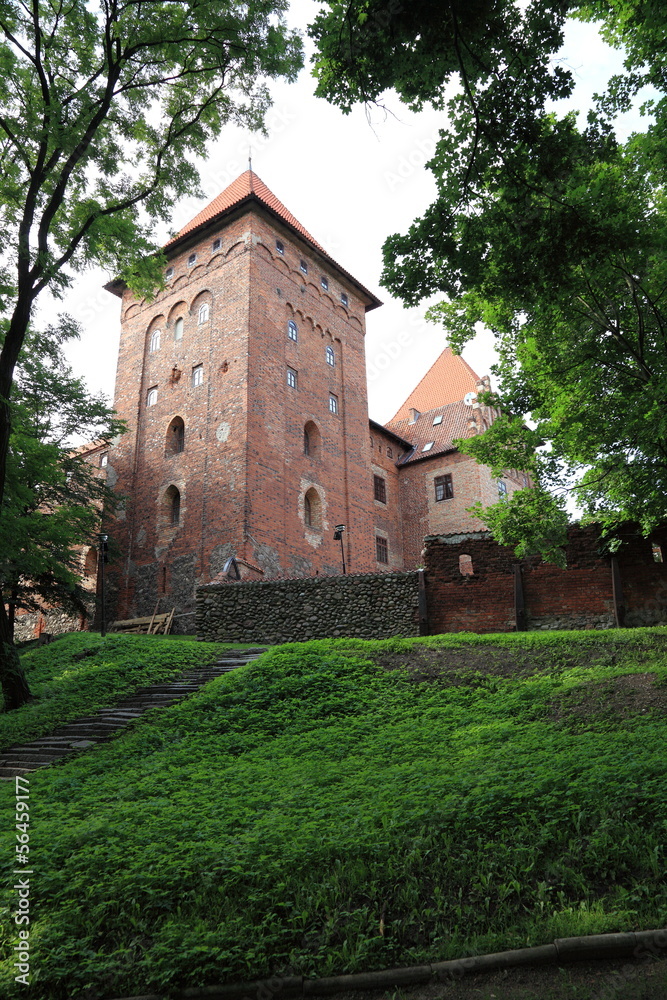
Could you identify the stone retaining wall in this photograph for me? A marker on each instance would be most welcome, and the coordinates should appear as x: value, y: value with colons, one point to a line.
x: 369, y: 606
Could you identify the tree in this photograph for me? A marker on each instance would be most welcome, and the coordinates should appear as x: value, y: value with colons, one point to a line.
x: 553, y: 235
x: 102, y: 106
x: 54, y: 497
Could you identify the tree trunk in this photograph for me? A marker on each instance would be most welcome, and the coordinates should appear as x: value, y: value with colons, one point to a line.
x: 15, y: 688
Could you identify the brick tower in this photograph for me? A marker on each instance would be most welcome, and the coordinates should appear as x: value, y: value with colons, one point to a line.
x: 243, y: 385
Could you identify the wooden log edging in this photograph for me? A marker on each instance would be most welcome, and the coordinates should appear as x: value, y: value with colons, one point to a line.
x: 637, y: 944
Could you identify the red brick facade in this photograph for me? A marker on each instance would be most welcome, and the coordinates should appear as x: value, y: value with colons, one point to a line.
x: 243, y: 385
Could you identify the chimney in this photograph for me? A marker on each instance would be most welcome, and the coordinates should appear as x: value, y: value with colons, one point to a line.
x: 414, y: 415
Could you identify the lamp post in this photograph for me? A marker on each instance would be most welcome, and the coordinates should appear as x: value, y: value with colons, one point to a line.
x: 104, y: 547
x: 338, y: 535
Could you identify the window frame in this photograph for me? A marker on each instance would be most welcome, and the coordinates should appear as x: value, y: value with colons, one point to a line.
x: 345, y: 301
x: 292, y: 378
x: 333, y: 404
x: 155, y: 341
x: 151, y: 396
x: 280, y: 247
x: 380, y: 489
x: 205, y: 307
x: 382, y: 550
x: 192, y: 260
x: 444, y: 484
x: 292, y: 331
x: 331, y: 356
x: 216, y: 245
x: 502, y: 488
x: 177, y: 336
x: 303, y: 266
x: 197, y: 376
x: 324, y: 282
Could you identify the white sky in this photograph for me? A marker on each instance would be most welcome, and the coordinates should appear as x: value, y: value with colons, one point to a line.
x: 351, y: 183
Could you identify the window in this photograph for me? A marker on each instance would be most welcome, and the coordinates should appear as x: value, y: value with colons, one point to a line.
x: 217, y: 243
x: 312, y: 509
x: 198, y: 375
x: 428, y: 445
x: 465, y: 565
x: 175, y: 441
x: 390, y: 453
x: 203, y: 312
x: 437, y: 420
x: 151, y: 396
x: 169, y: 273
x: 192, y: 259
x: 333, y: 403
x: 176, y: 507
x: 154, y: 344
x: 344, y: 299
x: 381, y: 549
x: 291, y: 378
x: 280, y: 247
x: 324, y: 282
x: 444, y: 489
x: 104, y: 458
x: 292, y: 331
x: 331, y: 357
x: 178, y: 329
x: 304, y: 267
x: 379, y: 489
x: 171, y: 507
x: 502, y: 488
x: 311, y: 440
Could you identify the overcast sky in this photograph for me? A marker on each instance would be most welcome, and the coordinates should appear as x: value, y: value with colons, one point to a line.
x: 351, y: 181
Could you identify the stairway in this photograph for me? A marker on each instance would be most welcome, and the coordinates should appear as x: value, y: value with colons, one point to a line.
x: 108, y: 722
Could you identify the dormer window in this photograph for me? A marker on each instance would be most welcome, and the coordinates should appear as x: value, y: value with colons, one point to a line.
x: 437, y: 420
x: 428, y: 446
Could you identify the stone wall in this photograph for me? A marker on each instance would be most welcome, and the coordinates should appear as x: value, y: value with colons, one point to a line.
x: 372, y: 606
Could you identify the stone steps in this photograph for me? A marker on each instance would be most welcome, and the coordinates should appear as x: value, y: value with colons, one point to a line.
x: 88, y: 731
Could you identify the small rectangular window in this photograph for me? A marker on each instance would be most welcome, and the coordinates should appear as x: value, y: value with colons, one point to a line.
x: 304, y: 267
x: 169, y: 273
x: 324, y: 282
x: 333, y: 403
x: 198, y: 375
x: 344, y: 299
x: 444, y: 489
x: 192, y: 259
x: 280, y: 247
x: 380, y: 489
x: 381, y: 549
x: 502, y: 488
x: 292, y: 330
x: 178, y: 329
x: 151, y: 396
x: 390, y: 453
x: 291, y: 378
x: 104, y: 458
x: 217, y: 243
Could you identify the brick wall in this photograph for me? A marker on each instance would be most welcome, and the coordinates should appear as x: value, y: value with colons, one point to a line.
x: 373, y: 606
x: 580, y: 596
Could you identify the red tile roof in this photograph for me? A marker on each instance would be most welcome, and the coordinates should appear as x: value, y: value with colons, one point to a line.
x: 448, y: 380
x: 243, y: 187
x: 454, y: 424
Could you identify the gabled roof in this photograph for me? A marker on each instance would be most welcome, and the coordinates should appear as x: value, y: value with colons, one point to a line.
x: 248, y: 185
x: 248, y: 188
x: 454, y: 424
x: 448, y: 380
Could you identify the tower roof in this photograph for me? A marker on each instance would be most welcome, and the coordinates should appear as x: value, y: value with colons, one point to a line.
x: 447, y: 381
x: 247, y: 185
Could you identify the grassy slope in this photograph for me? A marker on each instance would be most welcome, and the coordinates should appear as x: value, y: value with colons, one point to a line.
x: 83, y: 672
x: 287, y: 814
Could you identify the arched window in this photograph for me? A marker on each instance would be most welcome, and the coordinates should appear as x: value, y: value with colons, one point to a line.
x: 155, y: 341
x: 151, y: 396
x: 292, y: 331
x: 312, y: 509
x: 175, y: 442
x: 311, y: 440
x: 171, y: 507
x: 203, y: 312
x: 331, y: 357
x: 178, y: 329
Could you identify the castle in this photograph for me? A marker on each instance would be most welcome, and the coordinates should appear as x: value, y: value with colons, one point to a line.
x: 243, y: 385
